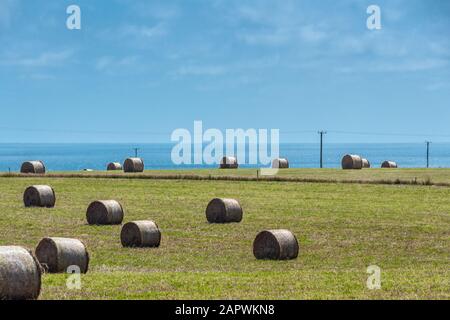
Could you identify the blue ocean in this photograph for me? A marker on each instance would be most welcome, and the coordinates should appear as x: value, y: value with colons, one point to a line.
x: 75, y: 157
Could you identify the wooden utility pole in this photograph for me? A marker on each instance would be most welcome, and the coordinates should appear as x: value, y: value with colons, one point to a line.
x: 428, y: 153
x: 321, y: 147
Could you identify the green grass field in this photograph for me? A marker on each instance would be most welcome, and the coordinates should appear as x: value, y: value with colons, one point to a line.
x: 342, y: 229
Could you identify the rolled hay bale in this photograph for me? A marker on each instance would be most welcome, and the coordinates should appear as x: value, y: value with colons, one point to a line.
x: 133, y: 165
x: 113, y: 166
x: 140, y: 234
x: 39, y: 196
x: 36, y: 167
x: 20, y: 274
x: 229, y: 163
x: 104, y: 212
x: 275, y: 245
x: 224, y: 211
x: 365, y: 163
x: 281, y: 163
x: 389, y: 164
x: 56, y: 255
x: 352, y: 161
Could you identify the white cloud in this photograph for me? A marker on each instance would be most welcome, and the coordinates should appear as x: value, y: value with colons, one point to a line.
x: 110, y: 64
x: 202, y: 70
x: 143, y: 31
x: 46, y: 59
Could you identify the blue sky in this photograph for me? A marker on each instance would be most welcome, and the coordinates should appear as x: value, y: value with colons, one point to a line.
x: 137, y: 70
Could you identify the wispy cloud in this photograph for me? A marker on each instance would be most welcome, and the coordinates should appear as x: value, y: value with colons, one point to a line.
x: 113, y: 65
x: 45, y: 59
x: 143, y: 31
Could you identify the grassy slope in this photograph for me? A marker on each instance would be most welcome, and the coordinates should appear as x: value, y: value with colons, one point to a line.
x: 342, y: 229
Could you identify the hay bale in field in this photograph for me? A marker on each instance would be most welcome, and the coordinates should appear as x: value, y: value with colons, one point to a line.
x: 229, y: 163
x: 104, y: 212
x: 39, y: 196
x: 133, y: 165
x: 281, y: 163
x: 365, y: 163
x: 224, y: 211
x: 352, y: 161
x: 140, y: 234
x: 112, y: 166
x: 389, y: 164
x: 275, y: 245
x: 36, y: 167
x: 58, y: 254
x: 20, y: 274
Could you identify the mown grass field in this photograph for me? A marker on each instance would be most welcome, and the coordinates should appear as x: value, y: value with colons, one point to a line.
x: 436, y: 176
x: 342, y: 229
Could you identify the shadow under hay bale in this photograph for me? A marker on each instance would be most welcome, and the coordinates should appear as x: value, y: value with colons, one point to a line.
x: 113, y: 166
x: 224, y: 211
x: 56, y: 255
x: 365, y: 163
x: 39, y: 196
x: 389, y: 164
x: 104, y: 212
x: 275, y: 245
x: 133, y: 165
x: 229, y: 163
x: 140, y: 234
x: 352, y: 161
x: 36, y: 167
x: 20, y: 274
x: 280, y: 163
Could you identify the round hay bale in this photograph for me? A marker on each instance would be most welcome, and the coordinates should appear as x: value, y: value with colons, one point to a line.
x: 58, y: 254
x: 275, y: 245
x: 140, y: 234
x: 352, y: 161
x: 133, y: 165
x: 36, y: 167
x: 224, y: 211
x: 389, y: 164
x: 113, y: 166
x: 20, y: 274
x: 229, y: 163
x: 39, y: 196
x: 281, y: 163
x: 104, y: 212
x: 365, y: 163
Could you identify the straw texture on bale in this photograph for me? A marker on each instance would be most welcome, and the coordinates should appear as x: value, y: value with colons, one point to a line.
x: 104, y: 212
x: 133, y: 165
x: 140, y: 234
x: 39, y: 196
x: 229, y: 163
x: 275, y: 245
x: 20, y: 274
x: 352, y: 161
x: 365, y: 163
x: 112, y: 166
x: 36, y: 167
x: 280, y: 163
x: 389, y: 164
x: 56, y: 255
x: 224, y: 211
